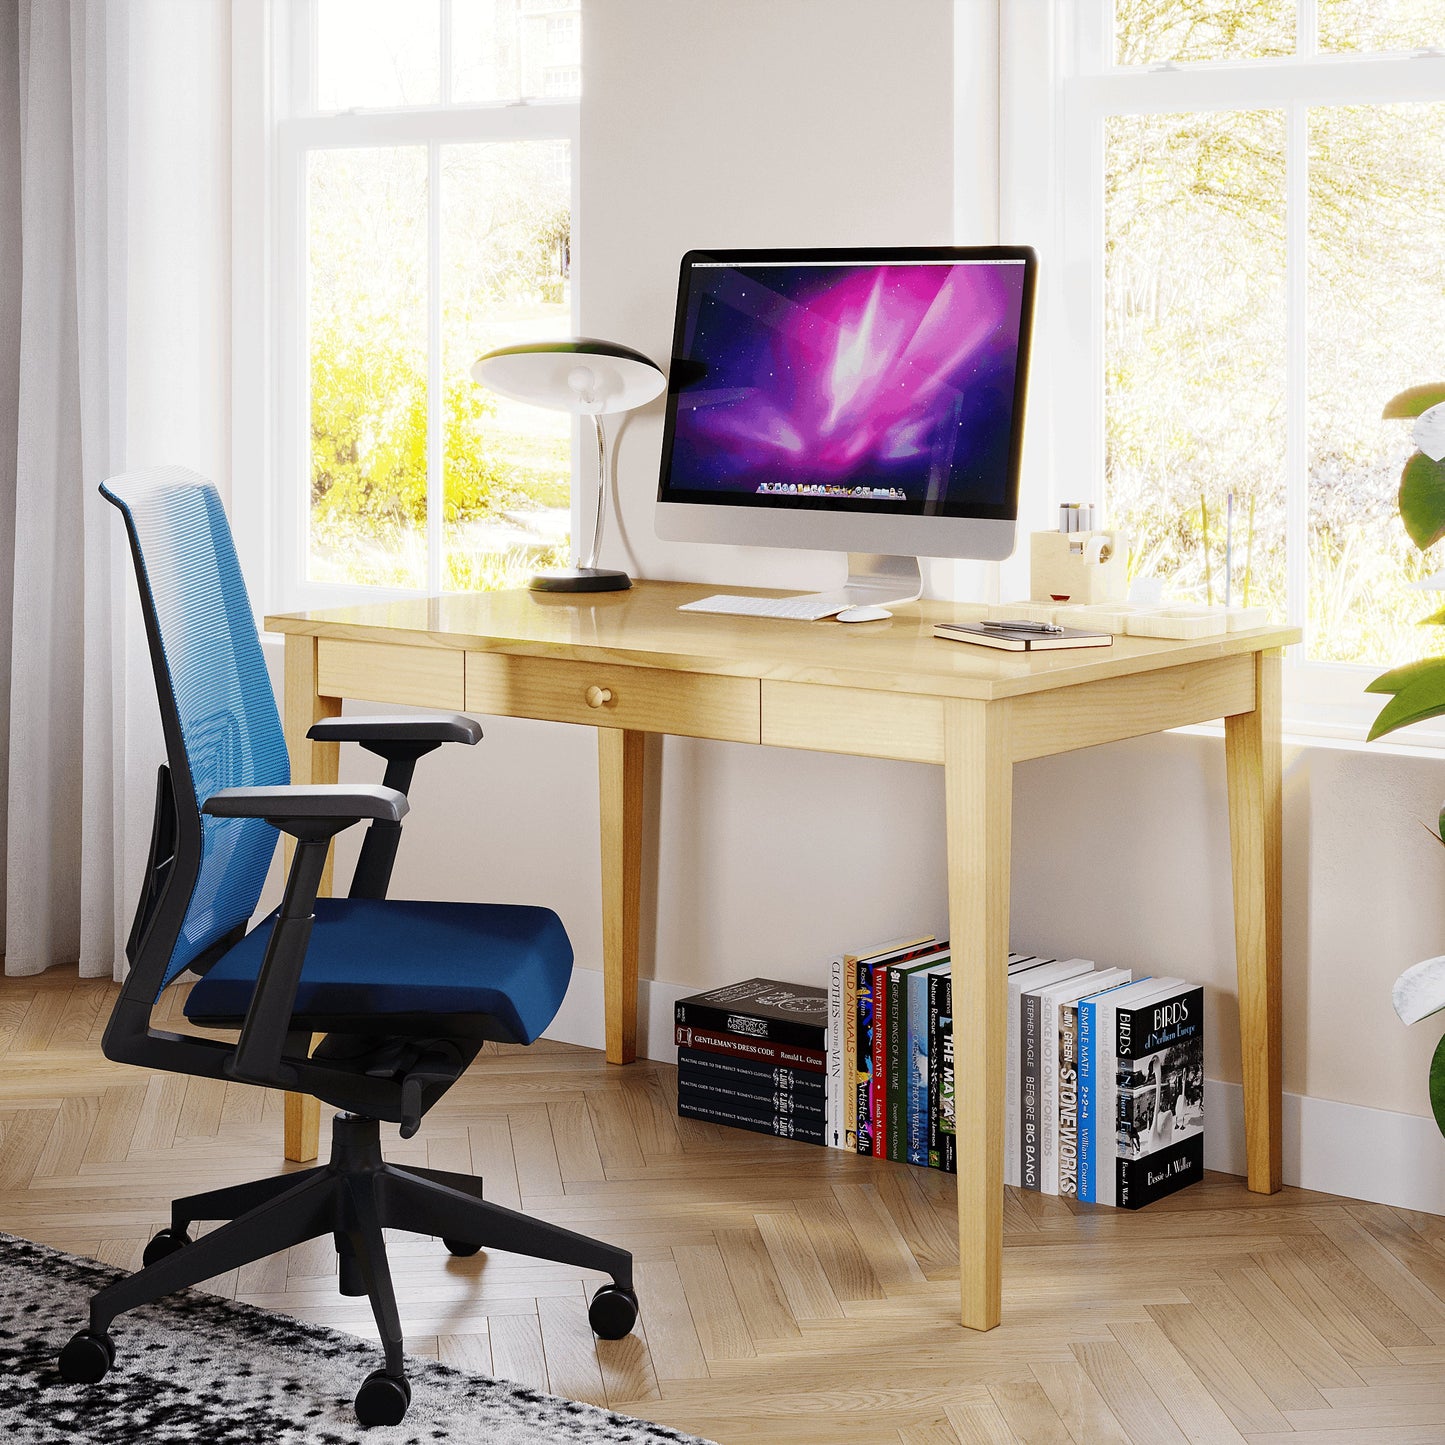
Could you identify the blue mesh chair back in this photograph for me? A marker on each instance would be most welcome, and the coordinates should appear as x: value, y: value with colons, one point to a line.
x: 215, y: 696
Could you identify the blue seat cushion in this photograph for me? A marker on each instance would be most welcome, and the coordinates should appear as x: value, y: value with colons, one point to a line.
x: 369, y: 958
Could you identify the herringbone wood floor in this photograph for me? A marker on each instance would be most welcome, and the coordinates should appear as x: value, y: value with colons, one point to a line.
x: 790, y: 1294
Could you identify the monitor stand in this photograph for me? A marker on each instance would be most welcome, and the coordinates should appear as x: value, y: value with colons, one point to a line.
x: 874, y: 580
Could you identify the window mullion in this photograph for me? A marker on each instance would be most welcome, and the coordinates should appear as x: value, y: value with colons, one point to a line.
x: 1297, y: 567
x: 446, y: 52
x: 1307, y: 28
x: 435, y: 399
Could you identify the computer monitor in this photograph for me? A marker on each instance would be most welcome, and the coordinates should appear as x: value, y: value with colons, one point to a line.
x: 868, y: 401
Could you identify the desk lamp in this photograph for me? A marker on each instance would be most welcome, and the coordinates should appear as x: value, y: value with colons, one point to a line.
x: 587, y: 378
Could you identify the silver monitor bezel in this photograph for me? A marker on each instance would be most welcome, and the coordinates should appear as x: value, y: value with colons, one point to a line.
x: 830, y: 528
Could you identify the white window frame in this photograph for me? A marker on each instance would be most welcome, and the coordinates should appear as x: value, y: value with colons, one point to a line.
x: 274, y: 128
x: 1058, y: 83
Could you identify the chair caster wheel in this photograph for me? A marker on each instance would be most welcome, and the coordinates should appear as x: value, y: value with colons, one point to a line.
x: 168, y: 1241
x: 461, y: 1248
x: 382, y: 1399
x: 87, y: 1358
x: 613, y: 1312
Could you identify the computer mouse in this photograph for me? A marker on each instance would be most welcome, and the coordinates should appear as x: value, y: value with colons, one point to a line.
x: 864, y: 614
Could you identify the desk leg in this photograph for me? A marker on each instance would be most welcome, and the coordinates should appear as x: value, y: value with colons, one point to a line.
x: 1252, y: 758
x: 619, y: 773
x: 310, y: 763
x: 978, y: 783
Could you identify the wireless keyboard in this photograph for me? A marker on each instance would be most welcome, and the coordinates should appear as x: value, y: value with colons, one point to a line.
x: 809, y: 608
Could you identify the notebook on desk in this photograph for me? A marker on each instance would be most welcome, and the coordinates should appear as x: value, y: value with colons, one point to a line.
x: 1020, y: 640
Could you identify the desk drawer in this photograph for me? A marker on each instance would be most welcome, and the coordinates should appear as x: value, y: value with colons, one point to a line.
x: 612, y: 695
x: 383, y: 672
x: 848, y: 720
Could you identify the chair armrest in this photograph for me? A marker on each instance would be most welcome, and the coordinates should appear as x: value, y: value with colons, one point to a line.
x: 432, y: 727
x: 302, y: 803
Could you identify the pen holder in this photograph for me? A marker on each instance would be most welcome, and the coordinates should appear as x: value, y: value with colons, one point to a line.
x: 1081, y: 567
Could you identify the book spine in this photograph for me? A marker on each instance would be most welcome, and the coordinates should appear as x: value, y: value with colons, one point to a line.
x: 1029, y: 1092
x: 749, y: 1074
x: 687, y: 1013
x: 725, y: 1096
x: 1106, y: 1103
x: 814, y: 1060
x: 878, y: 1084
x: 1085, y: 1185
x: 936, y: 985
x: 896, y: 1076
x: 1013, y: 1100
x: 850, y: 1055
x: 835, y: 1053
x: 863, y: 1060
x: 1067, y: 1153
x: 915, y: 1053
x: 779, y: 1125
x: 1159, y: 1129
x: 947, y: 1114
x: 1048, y: 1094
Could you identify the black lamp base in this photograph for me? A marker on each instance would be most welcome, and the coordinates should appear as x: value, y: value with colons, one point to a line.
x: 581, y: 579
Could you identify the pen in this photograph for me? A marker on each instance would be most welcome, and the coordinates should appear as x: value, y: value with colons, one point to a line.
x: 1046, y: 627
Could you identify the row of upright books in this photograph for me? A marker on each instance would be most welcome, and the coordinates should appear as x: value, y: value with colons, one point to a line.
x: 1104, y: 1084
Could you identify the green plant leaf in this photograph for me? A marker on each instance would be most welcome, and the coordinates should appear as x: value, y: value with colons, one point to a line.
x: 1435, y: 619
x: 1437, y: 1085
x: 1399, y: 678
x: 1415, y: 400
x: 1423, y: 696
x: 1422, y: 500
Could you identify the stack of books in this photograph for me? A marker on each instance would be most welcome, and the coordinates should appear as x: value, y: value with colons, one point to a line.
x: 1104, y: 1093
x: 754, y: 1055
x: 1104, y: 1083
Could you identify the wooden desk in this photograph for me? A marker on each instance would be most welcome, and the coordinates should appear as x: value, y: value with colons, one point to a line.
x: 628, y: 663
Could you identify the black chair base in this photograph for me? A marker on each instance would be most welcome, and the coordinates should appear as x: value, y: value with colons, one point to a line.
x: 354, y: 1197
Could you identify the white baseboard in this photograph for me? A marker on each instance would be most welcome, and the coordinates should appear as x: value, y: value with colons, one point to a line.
x: 1361, y: 1153
x: 579, y: 1020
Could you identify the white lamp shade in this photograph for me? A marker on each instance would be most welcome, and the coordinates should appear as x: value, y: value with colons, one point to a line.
x: 578, y: 374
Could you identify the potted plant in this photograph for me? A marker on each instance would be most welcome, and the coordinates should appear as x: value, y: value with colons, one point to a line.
x: 1416, y: 691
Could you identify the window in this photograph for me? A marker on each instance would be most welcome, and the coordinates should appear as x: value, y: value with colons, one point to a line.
x: 425, y: 203
x: 1249, y: 247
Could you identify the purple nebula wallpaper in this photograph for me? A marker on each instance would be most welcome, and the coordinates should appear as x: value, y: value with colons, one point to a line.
x: 890, y: 385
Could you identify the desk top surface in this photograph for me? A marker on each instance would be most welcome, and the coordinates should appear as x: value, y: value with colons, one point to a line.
x: 642, y: 627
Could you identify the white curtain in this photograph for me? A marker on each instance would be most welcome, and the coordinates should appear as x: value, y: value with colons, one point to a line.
x: 63, y: 625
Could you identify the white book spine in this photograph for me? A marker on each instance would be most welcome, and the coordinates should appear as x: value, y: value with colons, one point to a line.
x: 835, y: 1054
x: 1013, y: 1092
x: 1107, y: 1094
x: 1053, y: 1003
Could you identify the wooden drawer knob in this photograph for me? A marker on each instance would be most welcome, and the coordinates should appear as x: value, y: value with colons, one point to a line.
x: 598, y: 696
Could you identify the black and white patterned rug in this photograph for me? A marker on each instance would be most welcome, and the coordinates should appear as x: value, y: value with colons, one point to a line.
x: 206, y: 1371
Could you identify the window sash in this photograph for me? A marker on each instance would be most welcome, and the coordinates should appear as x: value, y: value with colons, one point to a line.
x: 298, y: 131
x: 1058, y: 86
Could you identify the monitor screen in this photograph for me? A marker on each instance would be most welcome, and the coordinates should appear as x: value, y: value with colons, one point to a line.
x: 852, y: 381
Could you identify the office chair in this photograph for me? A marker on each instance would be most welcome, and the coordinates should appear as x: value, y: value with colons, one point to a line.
x: 405, y: 993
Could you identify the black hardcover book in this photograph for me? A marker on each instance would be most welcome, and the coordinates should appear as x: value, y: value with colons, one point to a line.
x: 781, y: 1126
x: 750, y: 1075
x: 726, y: 1095
x: 1159, y: 1125
x: 942, y: 1147
x: 760, y: 1008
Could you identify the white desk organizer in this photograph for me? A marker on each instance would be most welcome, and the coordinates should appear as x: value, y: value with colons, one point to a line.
x: 1085, y: 568
x: 1125, y: 620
